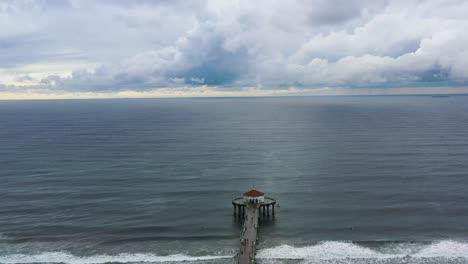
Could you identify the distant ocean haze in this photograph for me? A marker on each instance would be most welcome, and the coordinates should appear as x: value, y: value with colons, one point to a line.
x: 369, y: 179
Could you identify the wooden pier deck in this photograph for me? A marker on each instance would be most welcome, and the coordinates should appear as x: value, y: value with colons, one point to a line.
x: 249, y: 209
x: 249, y: 235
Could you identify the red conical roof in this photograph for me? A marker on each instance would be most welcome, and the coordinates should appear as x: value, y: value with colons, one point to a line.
x: 253, y: 193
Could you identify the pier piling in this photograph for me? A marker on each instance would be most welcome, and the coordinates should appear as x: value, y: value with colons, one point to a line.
x: 250, y: 208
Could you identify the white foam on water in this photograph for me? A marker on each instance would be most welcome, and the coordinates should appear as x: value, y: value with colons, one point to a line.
x: 324, y: 250
x: 63, y: 257
x: 444, y: 249
x: 342, y: 250
x: 328, y: 250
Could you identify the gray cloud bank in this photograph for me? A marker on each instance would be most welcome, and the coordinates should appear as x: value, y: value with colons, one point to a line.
x: 143, y: 45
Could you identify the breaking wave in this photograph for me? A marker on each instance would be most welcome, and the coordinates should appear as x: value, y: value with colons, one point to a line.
x: 342, y: 250
x: 324, y: 252
x: 62, y: 257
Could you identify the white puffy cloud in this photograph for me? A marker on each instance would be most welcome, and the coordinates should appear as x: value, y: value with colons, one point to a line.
x: 144, y: 45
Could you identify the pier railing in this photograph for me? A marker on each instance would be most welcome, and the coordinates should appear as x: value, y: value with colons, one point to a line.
x: 249, y: 214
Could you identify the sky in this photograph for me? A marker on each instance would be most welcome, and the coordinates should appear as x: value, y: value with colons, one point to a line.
x: 174, y: 48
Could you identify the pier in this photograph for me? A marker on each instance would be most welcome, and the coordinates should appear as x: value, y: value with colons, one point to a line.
x: 249, y: 208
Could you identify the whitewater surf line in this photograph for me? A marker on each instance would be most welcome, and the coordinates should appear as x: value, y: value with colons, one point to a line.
x: 67, y: 258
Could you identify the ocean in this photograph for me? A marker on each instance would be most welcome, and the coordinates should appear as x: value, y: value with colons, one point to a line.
x: 359, y: 179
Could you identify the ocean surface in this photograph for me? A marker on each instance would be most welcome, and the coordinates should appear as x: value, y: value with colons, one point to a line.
x: 379, y: 179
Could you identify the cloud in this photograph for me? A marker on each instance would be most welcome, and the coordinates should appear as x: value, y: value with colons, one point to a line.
x: 325, y: 12
x: 105, y: 46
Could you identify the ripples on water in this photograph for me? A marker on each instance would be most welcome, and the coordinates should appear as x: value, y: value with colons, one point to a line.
x: 96, y: 181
